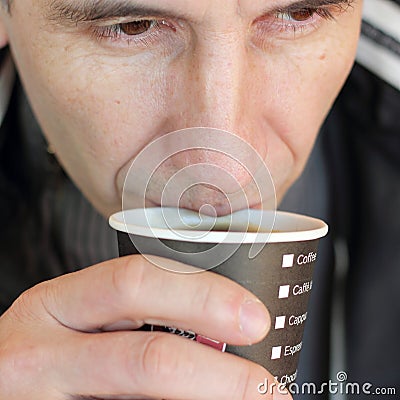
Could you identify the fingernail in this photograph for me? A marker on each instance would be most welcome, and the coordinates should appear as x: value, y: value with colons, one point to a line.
x: 254, y: 320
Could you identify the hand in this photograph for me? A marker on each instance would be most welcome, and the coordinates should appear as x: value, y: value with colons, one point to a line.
x: 72, y: 338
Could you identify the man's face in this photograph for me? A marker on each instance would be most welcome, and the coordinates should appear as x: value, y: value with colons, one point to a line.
x: 105, y: 78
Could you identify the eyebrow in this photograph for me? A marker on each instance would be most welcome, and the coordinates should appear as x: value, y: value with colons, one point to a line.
x: 65, y: 11
x: 315, y: 4
x: 98, y: 10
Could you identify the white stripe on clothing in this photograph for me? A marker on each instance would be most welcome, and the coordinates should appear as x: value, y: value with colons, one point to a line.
x: 380, y: 61
x: 384, y: 15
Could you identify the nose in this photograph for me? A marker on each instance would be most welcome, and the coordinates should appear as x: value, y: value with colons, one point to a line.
x: 217, y: 78
x: 222, y: 81
x: 219, y: 88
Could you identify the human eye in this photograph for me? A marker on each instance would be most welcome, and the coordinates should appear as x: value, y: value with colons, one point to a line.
x: 298, y: 20
x: 137, y: 33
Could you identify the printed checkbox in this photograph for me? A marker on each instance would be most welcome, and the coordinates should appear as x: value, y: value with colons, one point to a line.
x: 276, y: 352
x: 280, y: 322
x: 287, y: 261
x: 284, y: 291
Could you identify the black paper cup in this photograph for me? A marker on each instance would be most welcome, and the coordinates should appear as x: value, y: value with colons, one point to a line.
x: 274, y: 260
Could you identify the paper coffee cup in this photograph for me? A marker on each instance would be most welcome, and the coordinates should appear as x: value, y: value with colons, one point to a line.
x: 274, y: 260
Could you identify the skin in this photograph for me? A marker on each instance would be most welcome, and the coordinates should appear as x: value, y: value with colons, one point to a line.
x: 230, y: 65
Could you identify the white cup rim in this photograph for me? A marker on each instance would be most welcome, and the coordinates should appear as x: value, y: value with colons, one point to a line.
x: 287, y: 227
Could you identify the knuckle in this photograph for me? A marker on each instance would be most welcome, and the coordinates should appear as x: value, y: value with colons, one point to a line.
x: 50, y: 298
x: 258, y: 375
x: 21, y: 363
x: 26, y: 307
x: 157, y: 359
x: 128, y: 278
x: 202, y: 298
x: 22, y: 357
x: 217, y: 295
x: 240, y: 386
x: 155, y: 356
x: 7, y: 369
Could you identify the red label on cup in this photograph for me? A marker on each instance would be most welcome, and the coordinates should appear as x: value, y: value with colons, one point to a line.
x: 211, y: 342
x: 191, y: 336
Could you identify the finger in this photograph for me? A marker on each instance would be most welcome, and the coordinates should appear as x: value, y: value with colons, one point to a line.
x: 156, y: 365
x: 133, y: 291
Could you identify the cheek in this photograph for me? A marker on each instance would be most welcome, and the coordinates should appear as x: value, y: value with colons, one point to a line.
x: 103, y: 113
x: 318, y: 78
x: 95, y: 114
x: 309, y: 79
x: 109, y: 107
